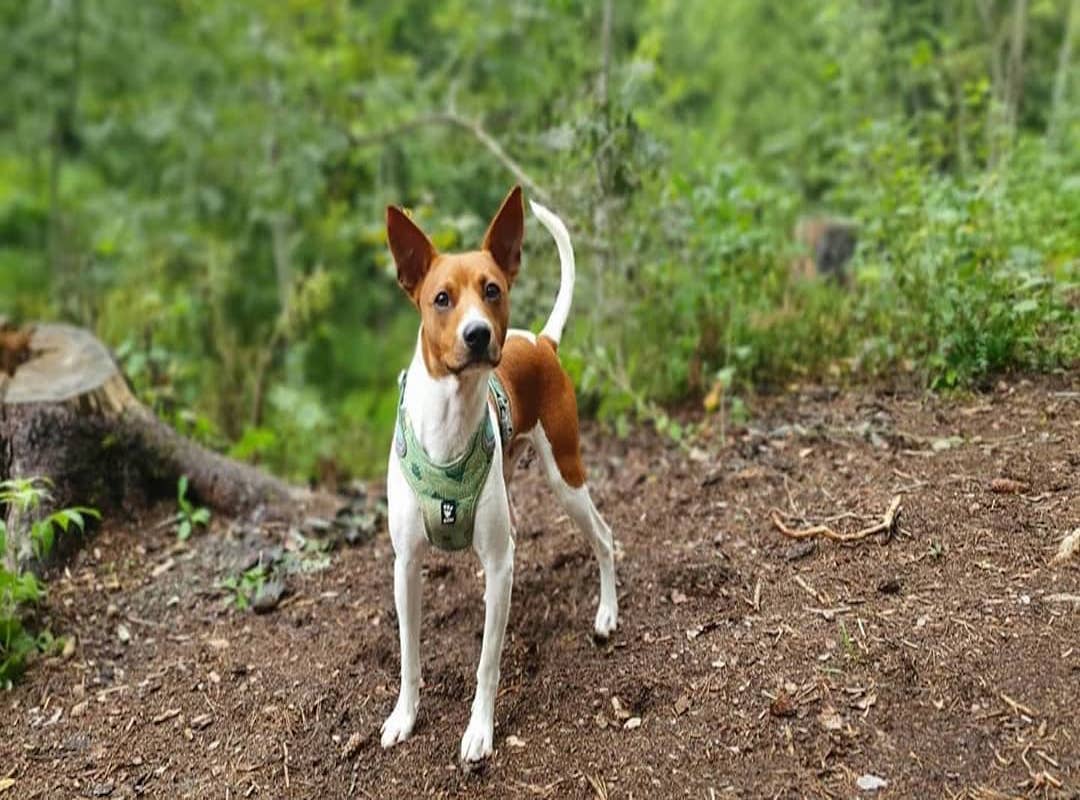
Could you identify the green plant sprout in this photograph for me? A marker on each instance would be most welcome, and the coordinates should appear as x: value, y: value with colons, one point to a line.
x: 20, y: 588
x: 189, y: 516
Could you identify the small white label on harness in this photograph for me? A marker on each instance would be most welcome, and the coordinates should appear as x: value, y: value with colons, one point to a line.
x: 449, y: 512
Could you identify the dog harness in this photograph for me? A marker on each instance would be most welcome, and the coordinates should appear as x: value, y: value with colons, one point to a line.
x: 448, y: 494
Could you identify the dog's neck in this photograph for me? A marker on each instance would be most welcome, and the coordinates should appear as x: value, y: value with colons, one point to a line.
x: 444, y: 412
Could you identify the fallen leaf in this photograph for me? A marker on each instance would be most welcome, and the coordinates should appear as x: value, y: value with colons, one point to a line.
x: 682, y: 705
x: 830, y: 719
x: 871, y: 783
x: 1069, y: 547
x: 620, y: 712
x: 750, y: 474
x: 352, y: 747
x: 866, y: 703
x: 711, y: 402
x: 782, y: 706
x: 1007, y: 486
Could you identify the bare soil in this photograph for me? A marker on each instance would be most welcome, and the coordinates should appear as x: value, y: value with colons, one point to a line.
x: 944, y: 660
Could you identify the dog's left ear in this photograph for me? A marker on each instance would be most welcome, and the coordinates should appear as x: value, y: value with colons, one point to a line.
x: 505, y: 234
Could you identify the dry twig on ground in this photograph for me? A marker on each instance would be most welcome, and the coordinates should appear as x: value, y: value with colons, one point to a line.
x: 888, y: 524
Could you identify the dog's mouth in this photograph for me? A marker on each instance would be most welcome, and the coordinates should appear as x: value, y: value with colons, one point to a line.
x: 476, y: 363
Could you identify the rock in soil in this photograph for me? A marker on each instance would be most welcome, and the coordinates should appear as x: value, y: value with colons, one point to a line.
x: 268, y: 596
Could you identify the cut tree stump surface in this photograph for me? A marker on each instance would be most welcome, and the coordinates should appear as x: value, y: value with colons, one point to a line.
x: 67, y: 364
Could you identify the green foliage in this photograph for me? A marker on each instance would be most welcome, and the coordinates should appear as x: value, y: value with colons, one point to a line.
x: 20, y: 589
x: 243, y: 587
x: 204, y: 185
x: 189, y: 517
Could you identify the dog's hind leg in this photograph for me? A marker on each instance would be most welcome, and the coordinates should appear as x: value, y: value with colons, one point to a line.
x: 581, y: 509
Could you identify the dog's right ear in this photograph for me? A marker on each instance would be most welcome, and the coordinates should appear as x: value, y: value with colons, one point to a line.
x: 413, y: 252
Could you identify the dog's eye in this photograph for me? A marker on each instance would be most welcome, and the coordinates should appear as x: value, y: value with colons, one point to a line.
x: 492, y: 291
x: 442, y: 300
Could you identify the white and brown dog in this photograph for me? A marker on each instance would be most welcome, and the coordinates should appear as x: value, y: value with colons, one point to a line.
x: 447, y: 409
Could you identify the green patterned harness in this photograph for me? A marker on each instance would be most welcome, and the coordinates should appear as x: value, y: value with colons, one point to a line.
x: 449, y: 493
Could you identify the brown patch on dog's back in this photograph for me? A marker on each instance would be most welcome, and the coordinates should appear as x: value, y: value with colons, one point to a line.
x: 541, y: 391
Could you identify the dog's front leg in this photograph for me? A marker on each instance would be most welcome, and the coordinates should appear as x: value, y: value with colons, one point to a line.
x: 496, y: 553
x: 407, y: 591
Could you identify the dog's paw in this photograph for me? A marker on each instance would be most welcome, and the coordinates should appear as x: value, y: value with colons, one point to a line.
x: 606, y: 621
x: 398, y: 726
x: 476, y: 743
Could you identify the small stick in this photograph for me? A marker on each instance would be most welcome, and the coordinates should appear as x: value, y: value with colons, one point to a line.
x: 810, y: 590
x: 1019, y: 708
x: 1051, y: 761
x: 886, y: 525
x: 285, y: 761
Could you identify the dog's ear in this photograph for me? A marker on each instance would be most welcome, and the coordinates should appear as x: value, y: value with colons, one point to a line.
x: 413, y: 252
x: 504, y: 235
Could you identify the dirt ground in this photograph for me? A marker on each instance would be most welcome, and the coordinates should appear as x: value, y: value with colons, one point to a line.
x: 944, y: 661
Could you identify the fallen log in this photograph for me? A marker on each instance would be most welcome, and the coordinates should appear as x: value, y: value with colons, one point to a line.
x: 68, y: 414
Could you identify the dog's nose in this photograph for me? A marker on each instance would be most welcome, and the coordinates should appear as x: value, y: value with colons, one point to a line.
x: 477, y: 336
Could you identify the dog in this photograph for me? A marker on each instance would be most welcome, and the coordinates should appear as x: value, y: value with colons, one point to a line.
x: 475, y: 394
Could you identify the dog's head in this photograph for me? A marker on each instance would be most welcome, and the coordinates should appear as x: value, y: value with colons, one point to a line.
x: 463, y: 298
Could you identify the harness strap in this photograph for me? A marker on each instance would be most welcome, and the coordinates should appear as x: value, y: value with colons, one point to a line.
x: 448, y: 494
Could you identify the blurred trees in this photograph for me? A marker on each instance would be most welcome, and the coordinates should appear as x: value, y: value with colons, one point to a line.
x: 203, y: 183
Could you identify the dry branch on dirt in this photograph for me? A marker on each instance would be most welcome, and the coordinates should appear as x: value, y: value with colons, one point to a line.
x: 888, y: 525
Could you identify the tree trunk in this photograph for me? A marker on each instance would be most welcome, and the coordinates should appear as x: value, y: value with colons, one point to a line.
x: 1058, y: 105
x: 68, y: 414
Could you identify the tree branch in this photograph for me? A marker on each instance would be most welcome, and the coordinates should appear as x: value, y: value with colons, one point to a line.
x: 471, y: 126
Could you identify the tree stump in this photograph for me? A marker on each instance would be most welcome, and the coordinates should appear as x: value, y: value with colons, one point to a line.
x: 68, y: 414
x: 828, y: 245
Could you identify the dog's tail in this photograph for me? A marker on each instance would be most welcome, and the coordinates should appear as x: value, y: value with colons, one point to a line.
x: 553, y: 328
